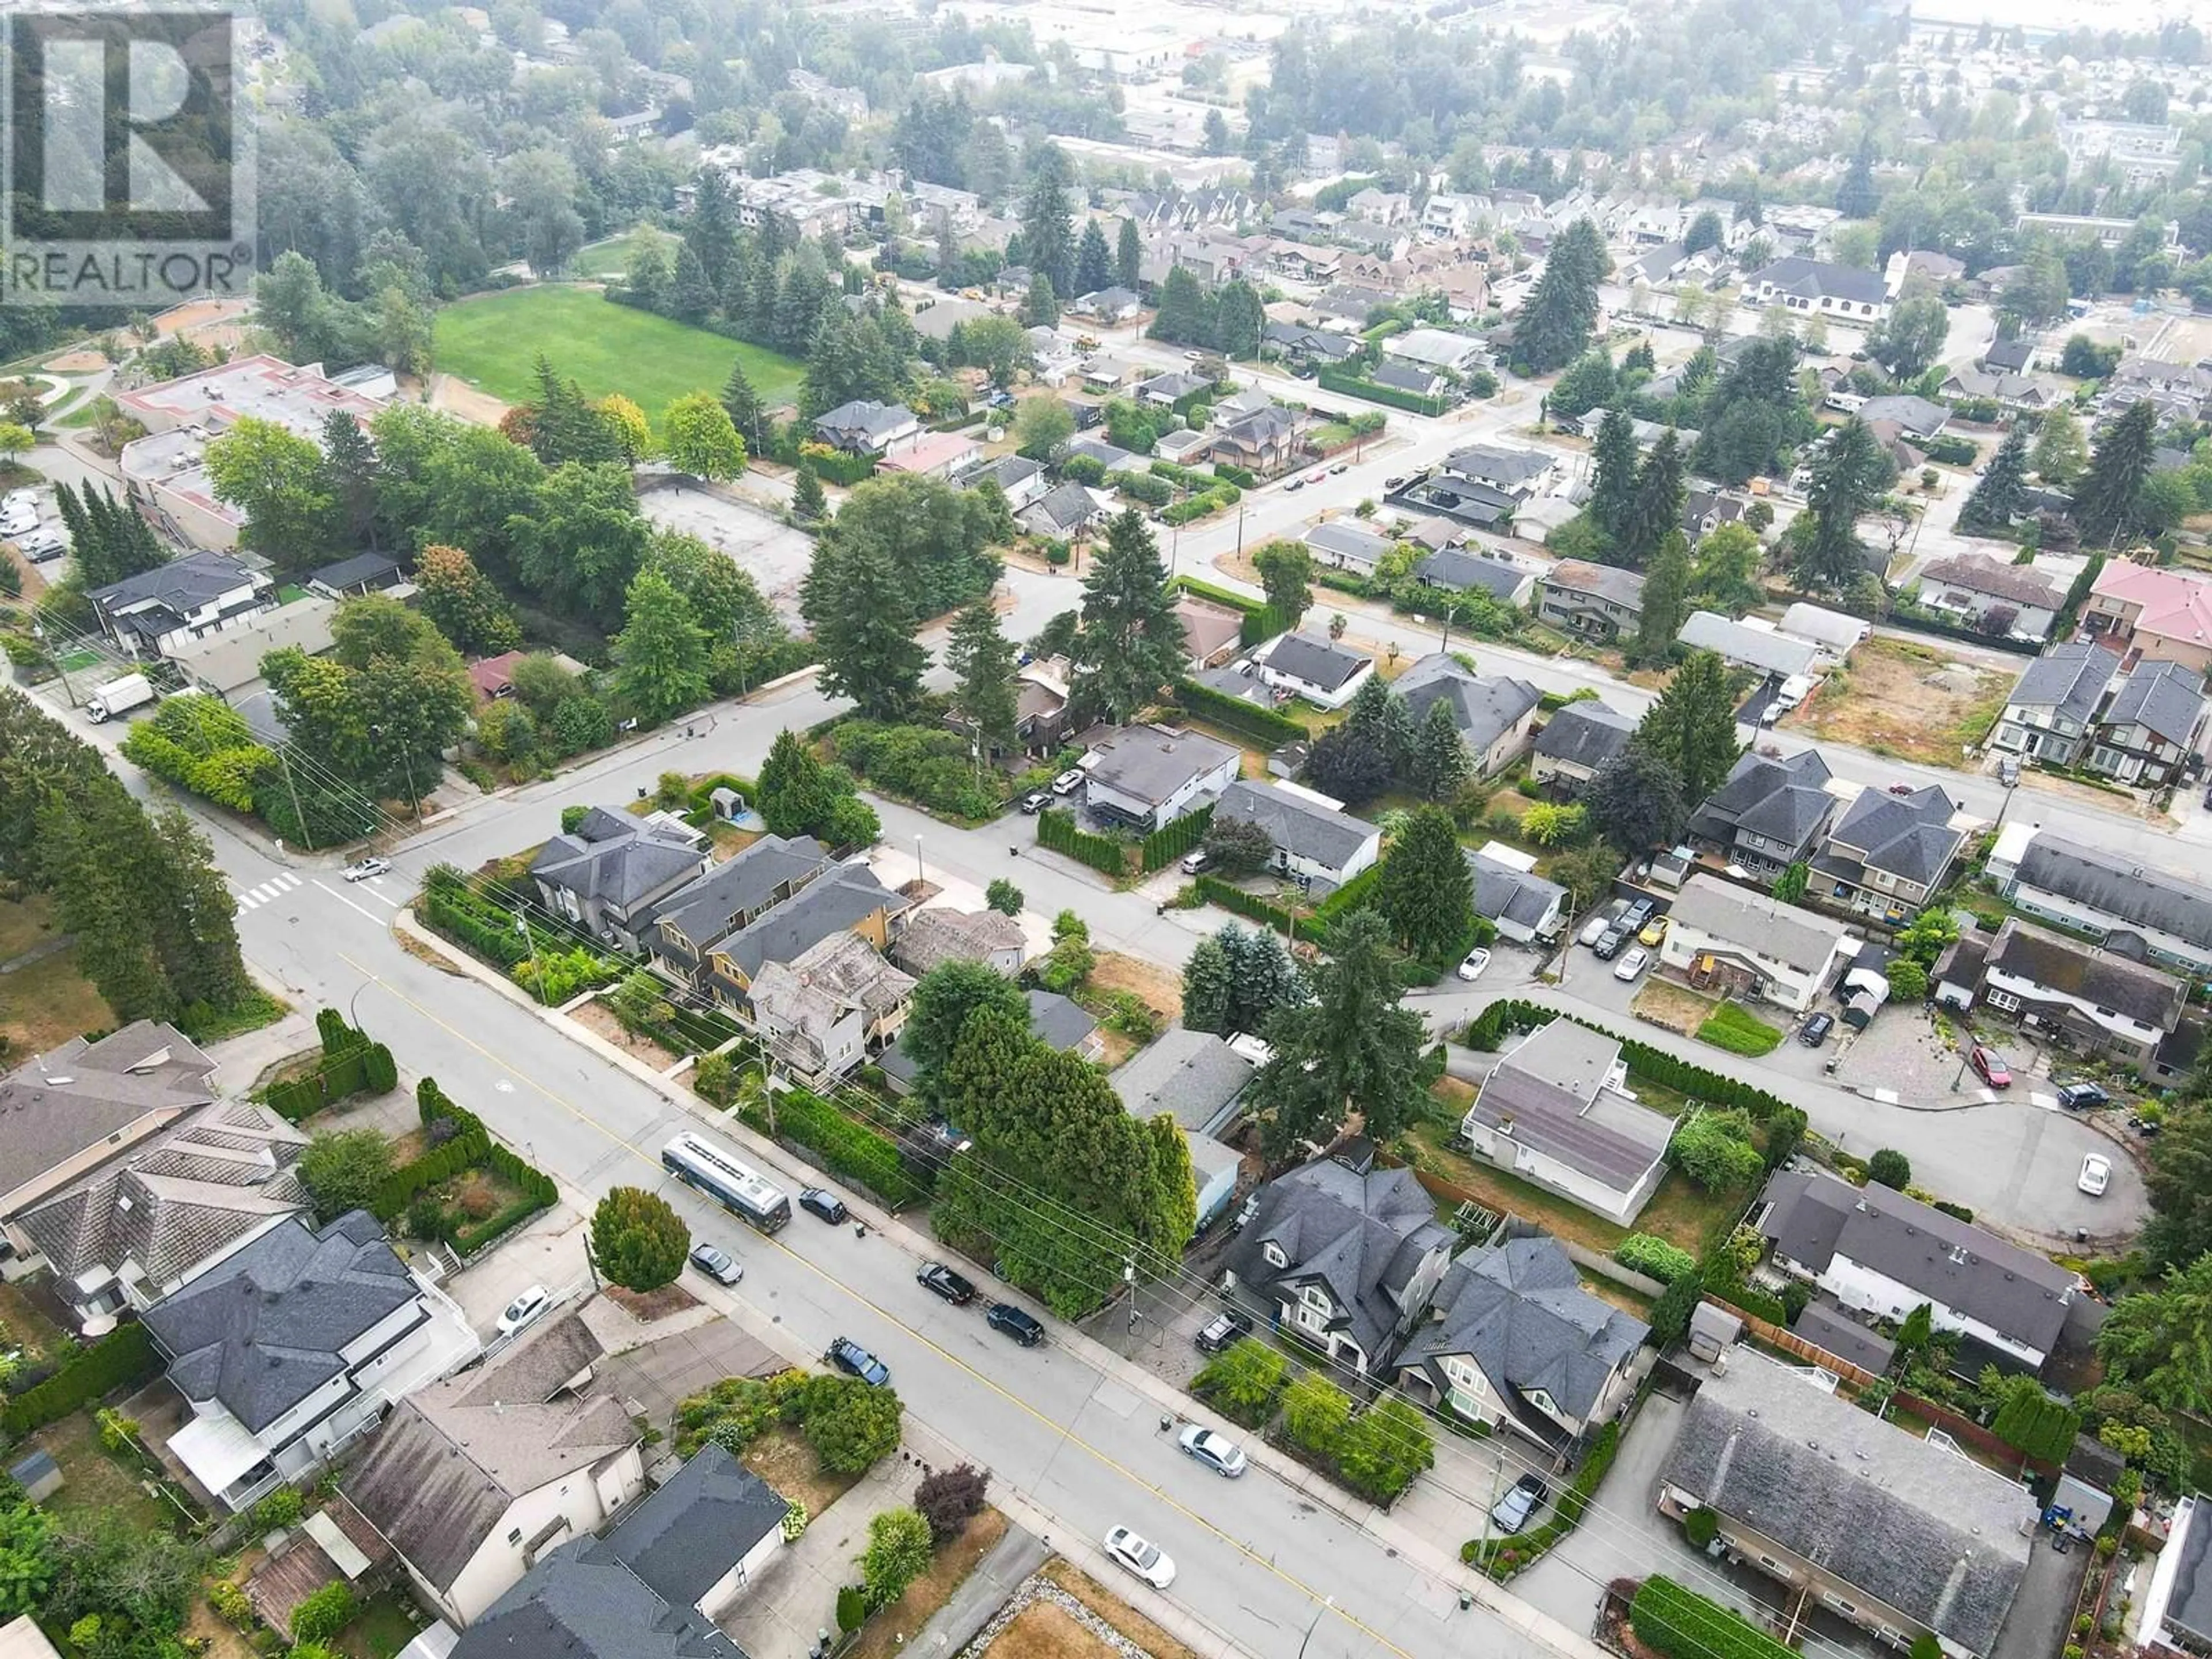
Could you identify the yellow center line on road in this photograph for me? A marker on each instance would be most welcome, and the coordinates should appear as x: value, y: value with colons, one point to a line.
x: 1103, y: 1458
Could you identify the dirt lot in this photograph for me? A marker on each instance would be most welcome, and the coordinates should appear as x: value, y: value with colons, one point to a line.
x: 457, y: 397
x: 1045, y: 1631
x: 652, y: 1305
x: 1156, y: 987
x: 598, y: 1019
x: 1671, y: 1006
x: 1913, y: 702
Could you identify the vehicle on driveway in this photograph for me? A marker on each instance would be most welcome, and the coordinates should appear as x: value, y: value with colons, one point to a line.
x: 1477, y: 960
x: 1991, y: 1064
x: 1655, y: 931
x: 850, y: 1357
x: 1217, y: 1451
x: 1024, y: 1327
x: 1035, y: 802
x: 1815, y: 1031
x: 1224, y: 1327
x: 525, y: 1308
x: 1631, y: 965
x: 1512, y: 1512
x: 2082, y: 1097
x: 1609, y: 946
x: 1068, y: 782
x: 818, y: 1202
x: 1195, y: 862
x: 2096, y: 1175
x: 1148, y: 1560
x: 941, y: 1280
x: 718, y: 1265
x: 363, y: 869
x: 1596, y: 928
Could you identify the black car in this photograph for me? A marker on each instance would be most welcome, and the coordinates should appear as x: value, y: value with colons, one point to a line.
x: 827, y: 1205
x: 1024, y: 1327
x: 1815, y: 1031
x: 850, y: 1357
x: 939, y: 1279
x: 2082, y: 1097
x: 1226, y: 1328
x: 1615, y: 936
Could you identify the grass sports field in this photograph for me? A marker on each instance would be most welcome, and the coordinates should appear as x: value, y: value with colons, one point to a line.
x: 493, y: 342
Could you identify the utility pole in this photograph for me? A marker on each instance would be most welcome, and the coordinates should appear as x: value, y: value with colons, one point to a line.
x: 529, y: 940
x: 284, y: 765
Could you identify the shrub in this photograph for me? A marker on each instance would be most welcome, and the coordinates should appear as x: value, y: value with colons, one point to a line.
x: 1386, y: 1448
x: 1714, y: 1149
x: 324, y: 1613
x: 1057, y: 830
x: 949, y: 1498
x: 1700, y: 1526
x: 1890, y: 1168
x: 899, y: 1543
x: 1683, y: 1624
x: 849, y: 1423
x: 280, y: 1509
x: 1003, y: 896
x: 230, y: 1604
x: 1316, y: 1412
x: 1731, y: 1027
x: 868, y: 1157
x: 851, y: 1608
x: 1243, y: 1381
x: 1642, y: 1253
x: 716, y: 1078
x: 638, y: 1239
x: 125, y: 1356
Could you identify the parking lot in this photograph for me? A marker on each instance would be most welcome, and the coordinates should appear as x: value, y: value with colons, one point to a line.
x: 771, y: 552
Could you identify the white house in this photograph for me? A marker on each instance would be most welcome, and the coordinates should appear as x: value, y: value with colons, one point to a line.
x: 1347, y: 546
x: 296, y: 1345
x: 1327, y: 674
x: 1557, y: 1111
x: 1746, y: 944
x: 1843, y: 292
x: 195, y: 598
x: 1150, y: 776
x: 831, y: 1006
x: 472, y: 1479
x: 1878, y: 1252
x: 2115, y: 901
x: 1316, y: 839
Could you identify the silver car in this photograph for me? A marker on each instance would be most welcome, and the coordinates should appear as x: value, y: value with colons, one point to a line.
x: 1216, y: 1450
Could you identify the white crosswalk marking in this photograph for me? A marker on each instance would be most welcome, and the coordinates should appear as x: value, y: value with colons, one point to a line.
x: 249, y: 897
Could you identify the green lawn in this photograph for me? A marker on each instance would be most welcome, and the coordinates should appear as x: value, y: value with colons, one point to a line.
x: 602, y: 260
x: 493, y: 342
x: 1740, y: 1033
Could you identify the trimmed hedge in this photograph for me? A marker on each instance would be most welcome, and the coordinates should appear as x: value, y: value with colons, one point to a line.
x: 866, y: 1157
x: 450, y: 907
x: 834, y: 466
x: 2037, y: 1426
x: 1171, y: 841
x: 1235, y: 715
x: 1645, y: 1254
x: 1684, y: 1625
x: 1502, y: 1557
x: 1356, y: 385
x: 1265, y: 623
x: 1252, y: 907
x: 1205, y: 589
x: 1243, y: 477
x: 352, y: 1065
x: 472, y: 1146
x: 1713, y: 1088
x: 1057, y: 830
x: 125, y: 1357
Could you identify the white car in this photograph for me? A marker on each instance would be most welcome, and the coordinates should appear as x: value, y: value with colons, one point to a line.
x: 1217, y: 1451
x: 18, y: 521
x: 363, y: 869
x: 2096, y: 1175
x: 1477, y: 960
x: 1068, y: 782
x: 524, y: 1309
x: 1594, y: 929
x: 1196, y: 862
x: 1630, y: 964
x: 1148, y: 1560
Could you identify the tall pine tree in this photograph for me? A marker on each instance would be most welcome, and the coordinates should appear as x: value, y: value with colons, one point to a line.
x: 1692, y: 728
x: 856, y: 604
x: 1094, y: 264
x: 1612, y: 479
x: 2106, y: 506
x: 1666, y: 604
x: 1132, y: 639
x: 1656, y: 510
x: 747, y: 413
x: 1845, y: 475
x: 1128, y: 255
x: 1048, y: 223
x: 982, y: 663
x: 1998, y: 497
x: 1555, y: 326
x: 1427, y: 889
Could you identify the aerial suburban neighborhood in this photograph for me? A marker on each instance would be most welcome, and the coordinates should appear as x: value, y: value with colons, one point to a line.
x: 1013, y: 830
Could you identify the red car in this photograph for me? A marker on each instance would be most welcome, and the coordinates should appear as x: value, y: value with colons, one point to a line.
x: 1991, y: 1064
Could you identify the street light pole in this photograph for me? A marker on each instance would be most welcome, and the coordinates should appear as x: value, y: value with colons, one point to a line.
x: 917, y: 861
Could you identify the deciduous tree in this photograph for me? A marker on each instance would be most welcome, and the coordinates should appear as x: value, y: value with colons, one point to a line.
x: 661, y: 653
x: 1286, y: 574
x: 343, y: 1169
x: 699, y: 437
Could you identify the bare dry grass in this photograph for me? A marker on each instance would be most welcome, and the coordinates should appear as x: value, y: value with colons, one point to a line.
x: 1044, y: 1630
x: 45, y: 1003
x: 895, y: 1627
x: 93, y: 1483
x: 648, y: 1305
x: 1907, y: 701
x: 1156, y: 988
x: 599, y: 1019
x: 783, y: 1458
x: 1674, y: 1007
x: 1115, y: 1611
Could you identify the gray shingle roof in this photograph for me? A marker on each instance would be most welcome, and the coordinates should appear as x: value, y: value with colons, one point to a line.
x: 2068, y: 679
x: 2166, y: 697
x: 701, y: 910
x: 1761, y: 648
x: 1152, y: 764
x: 183, y: 585
x: 1305, y: 828
x: 1361, y: 1237
x: 75, y: 1097
x: 1814, y: 1219
x: 1501, y: 468
x: 865, y: 416
x: 1065, y: 508
x: 1007, y: 472
x: 1907, y: 836
x: 1586, y: 734
x: 1317, y: 661
x: 1347, y: 541
x: 1739, y: 917
x: 1786, y: 799
x: 681, y: 1540
x: 1622, y: 587
x: 1978, y: 573
x: 1915, y: 414
x: 263, y: 1330
x: 2138, y: 895
x: 1484, y: 707
x: 1505, y: 894
x: 1813, y: 279
x: 1519, y: 1311
x: 2082, y: 970
x: 579, y: 1601
x: 1455, y: 568
x: 375, y: 568
x: 1845, y: 1338
x: 2189, y: 1608
x: 1408, y: 377
x: 613, y: 856
x: 1939, y: 1538
x: 1193, y: 1076
x: 1551, y: 1091
x: 1059, y: 1020
x: 829, y: 904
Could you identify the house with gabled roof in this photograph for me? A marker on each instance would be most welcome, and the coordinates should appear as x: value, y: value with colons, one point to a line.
x: 2093, y: 1001
x: 1999, y: 598
x: 1742, y: 943
x: 2048, y: 714
x: 2150, y: 730
x: 1264, y: 441
x: 1888, y: 854
x: 1347, y: 546
x: 2134, y: 909
x: 1575, y: 741
x: 1313, y: 836
x: 1344, y: 1262
x: 2149, y: 611
x: 865, y: 427
x: 1495, y: 714
x: 1769, y: 813
x: 1512, y: 897
x: 296, y: 1345
x: 1456, y: 568
x: 1513, y: 1341
x: 1557, y: 1110
x: 1066, y: 509
x: 1894, y: 1532
x: 830, y: 1006
x: 682, y: 929
x: 1325, y: 673
x: 1765, y: 651
x: 608, y: 871
x: 1825, y: 290
x: 847, y: 898
x: 473, y: 1479
x: 942, y: 933
x: 191, y: 597
x: 1590, y: 601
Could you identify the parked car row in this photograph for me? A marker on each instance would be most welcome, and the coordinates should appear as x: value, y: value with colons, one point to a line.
x: 1002, y: 1316
x: 1612, y: 928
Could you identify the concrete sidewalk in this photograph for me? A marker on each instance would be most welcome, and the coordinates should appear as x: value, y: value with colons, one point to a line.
x: 976, y: 1602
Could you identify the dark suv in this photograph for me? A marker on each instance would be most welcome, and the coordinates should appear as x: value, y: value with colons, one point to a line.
x: 1815, y: 1031
x: 935, y: 1276
x: 1024, y: 1327
x: 1225, y: 1329
x: 1615, y: 936
x: 816, y: 1201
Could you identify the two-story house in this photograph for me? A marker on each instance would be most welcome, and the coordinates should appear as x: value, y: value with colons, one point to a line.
x: 1345, y: 1261
x: 296, y: 1345
x: 1557, y: 1111
x: 1888, y: 854
x: 2136, y: 909
x: 2160, y: 615
x: 1879, y: 1252
x: 1198, y: 1080
x: 193, y: 598
x: 1314, y: 837
x: 1521, y: 473
x: 1590, y: 601
x: 2048, y: 714
x: 1743, y: 944
x: 1899, y: 1534
x: 1264, y: 441
x: 1770, y: 812
x: 2149, y: 734
x: 1148, y: 776
x: 474, y: 1479
x: 865, y: 427
x: 680, y: 930
x: 1994, y: 597
x: 830, y: 1006
x: 1577, y: 741
x: 2085, y: 998
x: 612, y: 870
x: 1513, y: 1341
x: 1496, y: 716
x: 847, y: 898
